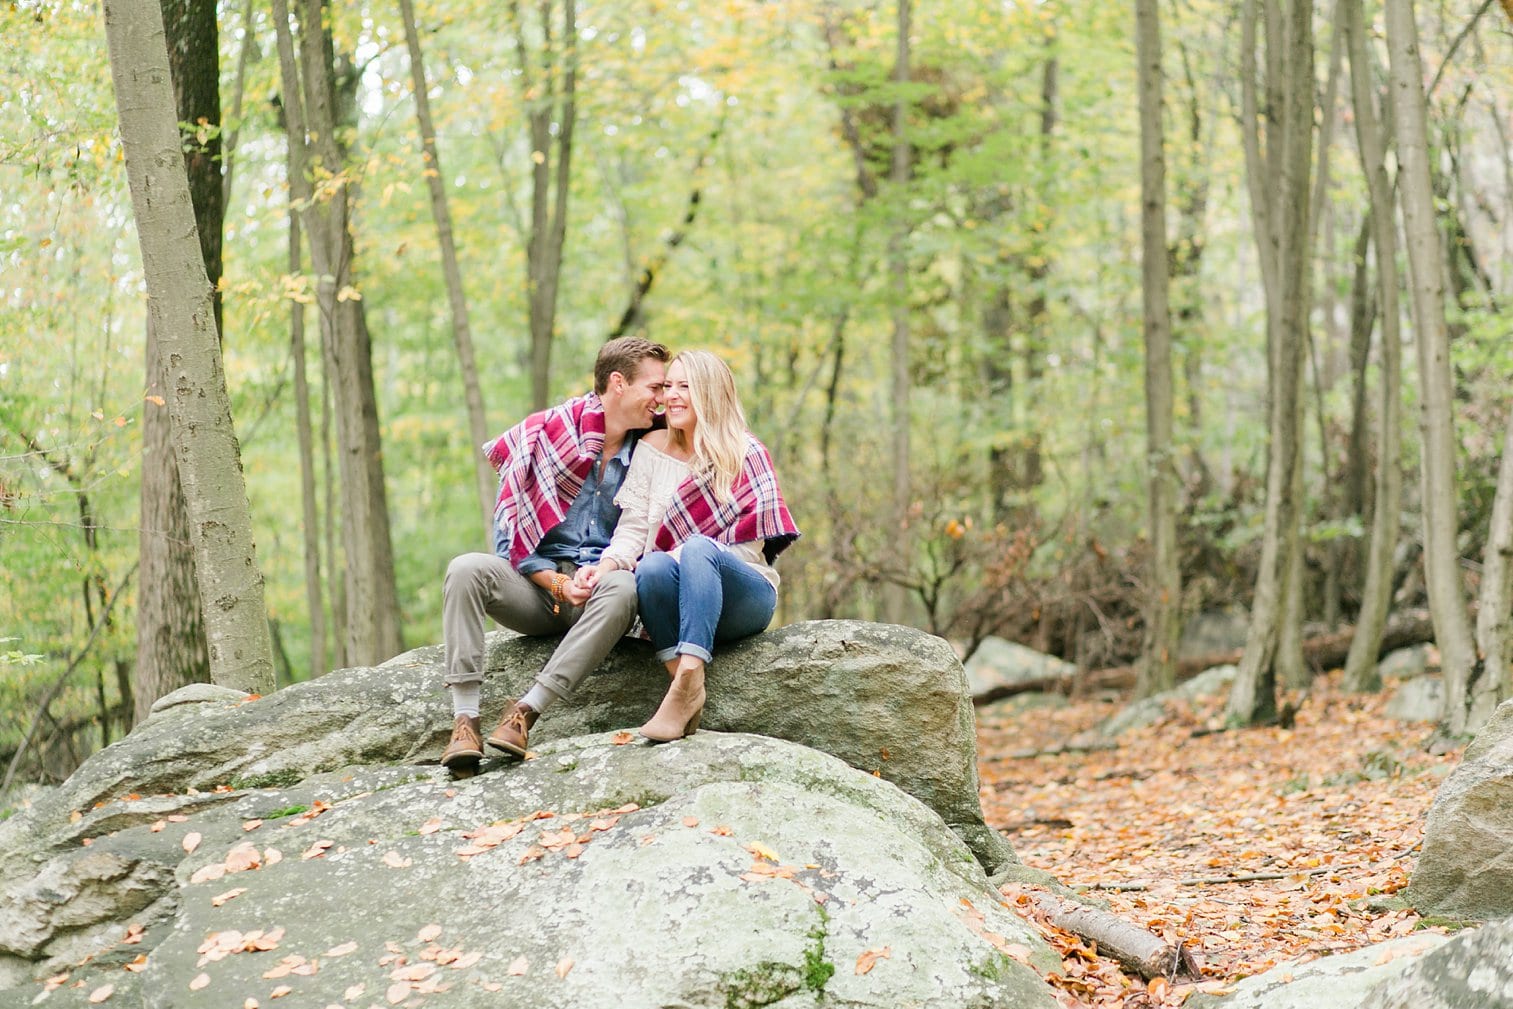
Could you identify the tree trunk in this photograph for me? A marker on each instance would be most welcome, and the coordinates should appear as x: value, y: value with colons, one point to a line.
x: 181, y: 307
x: 1376, y: 594
x: 314, y: 594
x: 462, y: 331
x: 895, y: 597
x: 171, y: 649
x: 372, y: 612
x: 1280, y: 205
x: 550, y: 99
x: 1447, y: 603
x: 1164, y: 582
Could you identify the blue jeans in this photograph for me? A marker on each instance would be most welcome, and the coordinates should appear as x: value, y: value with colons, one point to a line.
x: 705, y: 597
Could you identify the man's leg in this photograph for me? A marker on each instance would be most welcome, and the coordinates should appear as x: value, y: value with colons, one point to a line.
x: 602, y: 622
x: 479, y: 585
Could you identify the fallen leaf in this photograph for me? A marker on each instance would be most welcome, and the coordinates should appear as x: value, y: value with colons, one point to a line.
x: 629, y: 807
x: 157, y: 827
x: 573, y: 851
x: 398, y: 992
x: 395, y: 860
x: 272, y: 856
x: 134, y: 933
x: 621, y: 738
x: 431, y: 826
x: 102, y: 993
x: 316, y: 850
x: 208, y: 873
x: 723, y: 830
x: 760, y: 850
x: 137, y: 965
x: 342, y: 950
x: 354, y: 992
x: 251, y: 1003
x: 232, y: 894
x: 690, y: 821
x: 491, y: 986
x: 252, y: 825
x: 199, y: 981
x: 1157, y: 989
x: 177, y: 818
x: 280, y: 991
x: 564, y: 965
x: 869, y: 957
x: 519, y: 966
x: 466, y: 960
x: 428, y: 933
x: 243, y: 857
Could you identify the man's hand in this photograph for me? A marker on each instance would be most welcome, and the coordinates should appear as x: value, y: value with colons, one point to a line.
x: 576, y: 594
x: 587, y: 576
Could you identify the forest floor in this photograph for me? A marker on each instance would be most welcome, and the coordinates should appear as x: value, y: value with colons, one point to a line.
x: 1332, y: 810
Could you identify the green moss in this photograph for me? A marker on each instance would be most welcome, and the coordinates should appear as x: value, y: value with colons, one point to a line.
x: 761, y: 985
x: 1441, y: 921
x: 817, y: 970
x: 279, y: 814
x: 273, y: 779
x: 568, y: 768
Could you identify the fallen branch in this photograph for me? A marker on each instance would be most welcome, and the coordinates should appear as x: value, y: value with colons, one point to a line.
x: 1138, y: 949
x: 1246, y: 877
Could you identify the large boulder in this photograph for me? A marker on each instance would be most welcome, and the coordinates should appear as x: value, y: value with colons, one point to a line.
x: 1466, y: 866
x: 721, y: 870
x: 1342, y: 981
x: 998, y: 666
x: 887, y: 700
x: 1472, y: 971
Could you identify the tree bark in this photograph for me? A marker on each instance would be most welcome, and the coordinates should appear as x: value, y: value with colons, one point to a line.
x: 895, y: 598
x: 180, y: 304
x: 1461, y: 668
x: 1164, y: 582
x: 371, y: 604
x: 171, y: 648
x: 1376, y: 594
x: 462, y: 331
x: 1280, y: 205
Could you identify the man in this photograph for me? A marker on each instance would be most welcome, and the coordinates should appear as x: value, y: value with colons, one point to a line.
x: 559, y: 471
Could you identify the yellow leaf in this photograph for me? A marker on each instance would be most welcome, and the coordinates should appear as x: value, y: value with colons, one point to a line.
x: 760, y: 850
x: 155, y: 400
x: 538, y: 157
x: 348, y: 293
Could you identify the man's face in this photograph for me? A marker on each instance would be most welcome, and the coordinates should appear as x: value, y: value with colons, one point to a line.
x: 641, y: 396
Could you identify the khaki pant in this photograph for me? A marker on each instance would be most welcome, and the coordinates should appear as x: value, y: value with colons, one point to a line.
x: 483, y: 584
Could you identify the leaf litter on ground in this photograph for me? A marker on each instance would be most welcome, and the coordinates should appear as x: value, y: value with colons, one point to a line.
x: 1328, y: 814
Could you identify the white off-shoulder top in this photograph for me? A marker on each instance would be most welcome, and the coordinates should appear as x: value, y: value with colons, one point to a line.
x: 650, y: 485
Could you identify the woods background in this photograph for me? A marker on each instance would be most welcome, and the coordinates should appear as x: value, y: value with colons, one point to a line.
x: 915, y: 232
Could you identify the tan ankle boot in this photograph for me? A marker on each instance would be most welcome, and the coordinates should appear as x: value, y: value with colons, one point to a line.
x: 681, y: 709
x: 510, y: 734
x: 466, y: 745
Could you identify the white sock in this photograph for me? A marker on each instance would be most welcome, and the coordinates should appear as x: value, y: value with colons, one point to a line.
x: 466, y: 698
x: 538, y: 698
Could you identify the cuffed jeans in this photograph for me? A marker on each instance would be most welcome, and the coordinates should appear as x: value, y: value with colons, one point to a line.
x: 704, y: 598
x: 483, y: 584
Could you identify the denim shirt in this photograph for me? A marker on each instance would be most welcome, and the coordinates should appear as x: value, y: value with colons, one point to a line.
x: 586, y: 529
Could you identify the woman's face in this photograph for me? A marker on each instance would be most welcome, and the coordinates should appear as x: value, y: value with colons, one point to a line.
x: 676, y: 399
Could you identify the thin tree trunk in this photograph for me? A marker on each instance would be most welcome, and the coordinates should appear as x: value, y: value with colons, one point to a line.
x: 1447, y: 603
x: 1282, y: 237
x: 314, y: 595
x: 1376, y: 594
x: 895, y: 597
x: 462, y: 332
x: 372, y: 611
x: 182, y: 308
x: 550, y: 98
x: 238, y: 91
x: 1164, y: 583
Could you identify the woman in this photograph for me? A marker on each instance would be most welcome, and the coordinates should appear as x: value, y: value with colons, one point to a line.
x: 702, y: 519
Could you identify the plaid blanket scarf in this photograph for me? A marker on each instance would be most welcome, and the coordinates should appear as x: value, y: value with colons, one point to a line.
x: 543, y: 462
x: 756, y: 510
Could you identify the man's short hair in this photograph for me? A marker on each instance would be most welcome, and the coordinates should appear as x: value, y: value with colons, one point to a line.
x: 625, y: 354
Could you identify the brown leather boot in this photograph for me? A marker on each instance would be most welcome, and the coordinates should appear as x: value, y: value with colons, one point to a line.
x: 510, y: 734
x: 466, y: 746
x: 681, y: 709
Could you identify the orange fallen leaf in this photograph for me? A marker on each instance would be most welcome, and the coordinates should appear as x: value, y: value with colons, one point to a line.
x: 1157, y: 989
x: 343, y: 949
x: 101, y: 993
x: 222, y: 898
x: 690, y: 821
x: 176, y: 818
x: 413, y: 972
x: 199, y: 981
x: 134, y: 933
x: 252, y: 825
x: 621, y: 738
x: 395, y: 860
x: 723, y: 830
x: 564, y: 965
x: 251, y: 1003
x: 398, y: 992
x: 519, y: 966
x: 280, y: 991
x: 316, y: 850
x: 431, y: 826
x: 466, y: 960
x: 428, y: 933
x: 157, y: 827
x: 760, y: 850
x: 491, y: 986
x: 869, y: 957
x: 354, y: 992
x: 136, y: 965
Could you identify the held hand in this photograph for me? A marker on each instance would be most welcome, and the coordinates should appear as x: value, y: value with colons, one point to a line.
x: 576, y: 594
x: 587, y: 577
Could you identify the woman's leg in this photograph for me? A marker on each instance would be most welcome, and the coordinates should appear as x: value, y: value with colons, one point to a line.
x: 657, y: 577
x: 720, y: 598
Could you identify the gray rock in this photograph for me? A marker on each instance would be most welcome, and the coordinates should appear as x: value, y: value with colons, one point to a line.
x: 1213, y: 631
x: 1472, y: 971
x: 882, y: 698
x: 1466, y: 866
x: 1404, y: 663
x: 1417, y: 700
x: 1150, y: 710
x: 721, y: 870
x: 1344, y: 981
x: 999, y: 664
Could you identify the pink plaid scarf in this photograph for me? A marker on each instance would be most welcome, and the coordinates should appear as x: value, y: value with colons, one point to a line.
x: 756, y: 510
x: 543, y: 462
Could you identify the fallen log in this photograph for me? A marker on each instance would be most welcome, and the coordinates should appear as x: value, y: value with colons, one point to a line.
x: 1138, y: 949
x: 1322, y: 651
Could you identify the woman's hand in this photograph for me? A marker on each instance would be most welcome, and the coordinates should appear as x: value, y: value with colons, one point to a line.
x: 586, y: 578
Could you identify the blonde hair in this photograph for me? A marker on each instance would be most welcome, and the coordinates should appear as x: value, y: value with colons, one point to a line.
x: 719, y: 434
